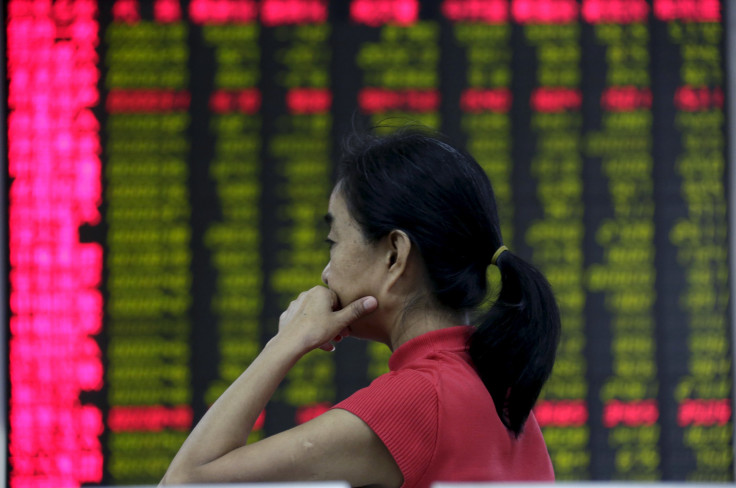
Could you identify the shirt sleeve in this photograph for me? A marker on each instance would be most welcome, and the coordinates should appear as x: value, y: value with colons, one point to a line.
x: 401, y: 408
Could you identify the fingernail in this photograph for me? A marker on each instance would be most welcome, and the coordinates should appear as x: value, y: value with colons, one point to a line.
x: 369, y: 304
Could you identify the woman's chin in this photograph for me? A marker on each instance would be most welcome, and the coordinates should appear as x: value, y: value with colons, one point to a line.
x: 367, y: 330
x: 342, y: 300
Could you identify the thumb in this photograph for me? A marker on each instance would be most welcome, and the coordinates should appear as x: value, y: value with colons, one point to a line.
x: 355, y: 310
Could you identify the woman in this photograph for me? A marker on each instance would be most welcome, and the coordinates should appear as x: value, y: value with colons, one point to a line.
x: 413, y: 228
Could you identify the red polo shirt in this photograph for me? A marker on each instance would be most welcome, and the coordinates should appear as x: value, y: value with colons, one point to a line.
x: 437, y: 419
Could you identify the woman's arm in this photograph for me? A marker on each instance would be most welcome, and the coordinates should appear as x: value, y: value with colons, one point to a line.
x: 336, y: 445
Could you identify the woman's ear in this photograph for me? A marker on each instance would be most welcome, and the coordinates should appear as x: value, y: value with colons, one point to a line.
x: 399, y: 250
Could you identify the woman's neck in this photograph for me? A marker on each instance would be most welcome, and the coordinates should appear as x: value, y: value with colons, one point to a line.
x: 420, y: 320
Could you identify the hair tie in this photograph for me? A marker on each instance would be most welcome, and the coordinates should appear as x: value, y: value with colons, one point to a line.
x: 498, y: 252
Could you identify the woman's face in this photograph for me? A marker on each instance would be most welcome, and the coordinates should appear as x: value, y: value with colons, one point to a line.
x: 354, y: 270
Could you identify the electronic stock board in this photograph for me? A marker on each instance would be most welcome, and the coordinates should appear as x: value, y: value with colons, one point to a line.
x: 169, y: 164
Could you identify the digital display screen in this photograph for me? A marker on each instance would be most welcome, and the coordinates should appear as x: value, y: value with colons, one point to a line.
x: 170, y: 162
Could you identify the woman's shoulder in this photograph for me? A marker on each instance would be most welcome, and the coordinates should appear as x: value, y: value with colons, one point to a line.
x: 401, y: 408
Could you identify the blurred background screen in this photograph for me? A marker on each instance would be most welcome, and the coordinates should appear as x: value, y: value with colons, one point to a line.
x: 169, y: 165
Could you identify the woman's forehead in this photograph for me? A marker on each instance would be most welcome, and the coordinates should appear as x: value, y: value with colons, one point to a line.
x: 334, y: 215
x: 338, y: 215
x: 336, y: 208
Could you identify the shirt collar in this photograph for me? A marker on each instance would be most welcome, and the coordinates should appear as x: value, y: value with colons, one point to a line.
x: 447, y: 339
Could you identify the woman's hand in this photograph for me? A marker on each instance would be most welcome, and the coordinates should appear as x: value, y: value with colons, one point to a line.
x: 313, y: 320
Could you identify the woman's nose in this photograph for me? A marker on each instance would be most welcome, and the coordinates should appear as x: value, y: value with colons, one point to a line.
x: 325, y: 274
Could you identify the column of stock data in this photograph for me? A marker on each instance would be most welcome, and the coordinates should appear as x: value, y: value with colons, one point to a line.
x: 620, y: 276
x: 146, y: 209
x: 170, y: 164
x: 55, y: 362
x: 299, y: 150
x: 484, y: 34
x: 549, y: 102
x: 232, y: 237
x: 696, y: 274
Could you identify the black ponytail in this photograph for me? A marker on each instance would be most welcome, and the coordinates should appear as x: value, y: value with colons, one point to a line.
x: 515, y: 344
x: 416, y: 181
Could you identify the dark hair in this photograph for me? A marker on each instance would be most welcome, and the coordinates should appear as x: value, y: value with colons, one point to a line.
x: 415, y: 181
